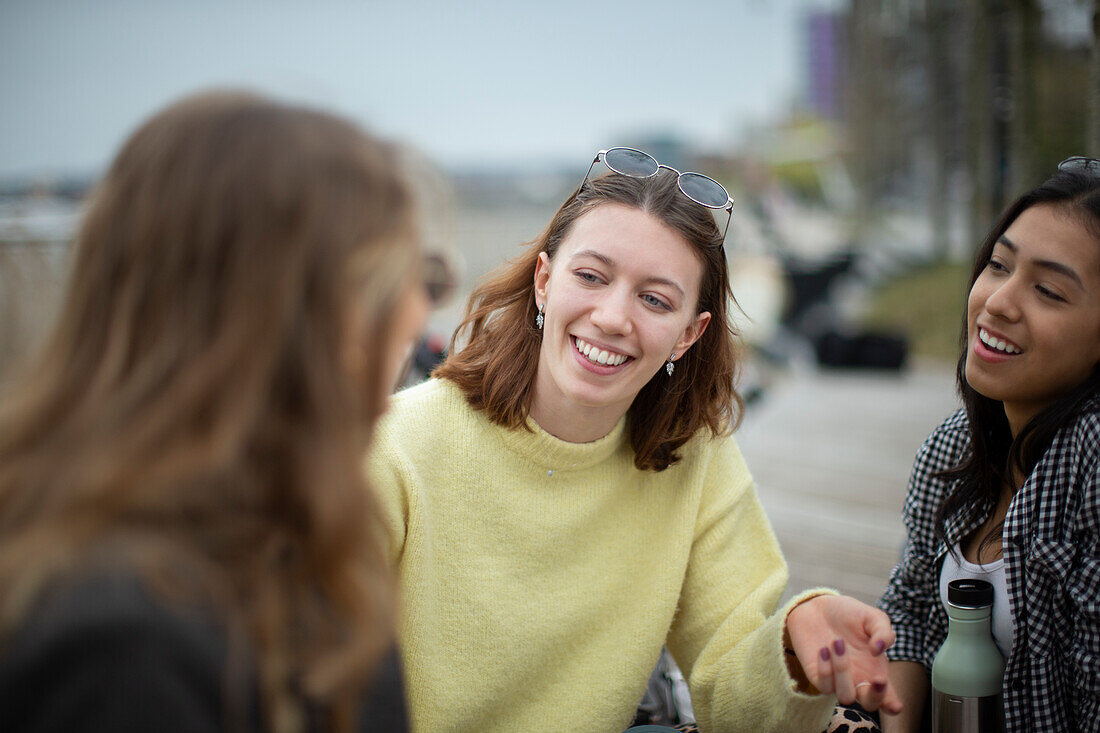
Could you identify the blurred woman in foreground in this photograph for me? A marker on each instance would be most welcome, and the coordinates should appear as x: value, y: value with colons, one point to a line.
x: 186, y: 540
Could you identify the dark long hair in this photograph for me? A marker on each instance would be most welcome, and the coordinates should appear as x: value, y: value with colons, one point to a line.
x: 994, y: 456
x: 667, y: 411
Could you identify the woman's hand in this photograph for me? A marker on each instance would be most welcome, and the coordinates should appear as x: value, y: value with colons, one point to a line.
x: 841, y: 645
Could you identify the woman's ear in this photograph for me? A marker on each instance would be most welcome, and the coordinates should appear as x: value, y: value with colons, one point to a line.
x: 542, y: 277
x: 692, y: 333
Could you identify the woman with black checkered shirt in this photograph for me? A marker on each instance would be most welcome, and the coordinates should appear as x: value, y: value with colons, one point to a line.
x: 1008, y: 489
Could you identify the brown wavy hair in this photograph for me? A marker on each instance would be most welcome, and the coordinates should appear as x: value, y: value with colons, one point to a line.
x: 667, y: 411
x: 192, y: 414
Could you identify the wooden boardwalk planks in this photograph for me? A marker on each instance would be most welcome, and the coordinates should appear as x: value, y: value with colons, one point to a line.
x: 831, y: 454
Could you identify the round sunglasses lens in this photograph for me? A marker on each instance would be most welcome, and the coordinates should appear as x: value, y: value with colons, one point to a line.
x: 703, y: 190
x: 438, y: 279
x: 1080, y: 163
x: 630, y: 162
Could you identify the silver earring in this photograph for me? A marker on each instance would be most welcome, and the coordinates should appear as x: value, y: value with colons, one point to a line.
x: 669, y: 367
x: 539, y: 320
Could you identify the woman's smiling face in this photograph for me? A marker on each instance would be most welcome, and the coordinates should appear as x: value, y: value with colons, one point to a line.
x: 620, y: 296
x: 1033, y: 315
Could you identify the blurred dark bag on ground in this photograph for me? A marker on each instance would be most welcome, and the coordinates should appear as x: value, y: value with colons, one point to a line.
x: 865, y: 350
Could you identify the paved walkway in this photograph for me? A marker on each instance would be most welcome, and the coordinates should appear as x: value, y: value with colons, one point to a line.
x: 831, y: 453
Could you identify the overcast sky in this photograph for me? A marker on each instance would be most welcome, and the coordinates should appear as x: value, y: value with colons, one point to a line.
x: 488, y: 84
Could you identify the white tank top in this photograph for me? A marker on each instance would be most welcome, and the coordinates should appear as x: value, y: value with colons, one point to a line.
x: 1004, y: 627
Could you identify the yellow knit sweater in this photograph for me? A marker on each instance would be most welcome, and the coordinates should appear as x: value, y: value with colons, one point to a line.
x: 535, y: 602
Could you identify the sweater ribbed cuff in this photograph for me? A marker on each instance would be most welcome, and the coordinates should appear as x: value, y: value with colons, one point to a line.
x: 784, y: 640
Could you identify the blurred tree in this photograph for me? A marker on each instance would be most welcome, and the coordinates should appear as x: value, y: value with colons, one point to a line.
x: 883, y: 103
x: 960, y: 106
x: 1063, y: 105
x: 1023, y: 21
x: 868, y: 105
x: 942, y: 115
x: 1092, y: 146
x: 982, y: 154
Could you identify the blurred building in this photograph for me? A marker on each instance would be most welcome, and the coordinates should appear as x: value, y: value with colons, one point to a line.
x: 824, y: 61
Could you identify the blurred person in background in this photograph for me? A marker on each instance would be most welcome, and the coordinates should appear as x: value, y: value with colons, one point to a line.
x: 186, y: 539
x: 565, y: 497
x: 1008, y: 488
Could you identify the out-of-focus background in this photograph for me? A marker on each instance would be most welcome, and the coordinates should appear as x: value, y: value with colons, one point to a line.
x: 868, y: 145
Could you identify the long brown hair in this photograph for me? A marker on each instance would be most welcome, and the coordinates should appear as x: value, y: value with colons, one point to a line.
x: 192, y: 408
x: 668, y: 410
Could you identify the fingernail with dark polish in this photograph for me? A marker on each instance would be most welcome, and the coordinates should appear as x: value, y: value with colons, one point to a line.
x: 880, y: 647
x: 825, y: 654
x: 838, y: 647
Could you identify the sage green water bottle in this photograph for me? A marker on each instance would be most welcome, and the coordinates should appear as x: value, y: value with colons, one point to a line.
x: 968, y: 670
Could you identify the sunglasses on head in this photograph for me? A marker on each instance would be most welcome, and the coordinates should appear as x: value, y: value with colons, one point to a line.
x: 1081, y: 164
x: 438, y: 278
x: 701, y: 189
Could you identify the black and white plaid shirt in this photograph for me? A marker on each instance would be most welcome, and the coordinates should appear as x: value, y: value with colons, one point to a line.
x: 1052, y: 571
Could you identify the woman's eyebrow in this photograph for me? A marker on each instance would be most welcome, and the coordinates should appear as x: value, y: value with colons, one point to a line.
x: 1052, y: 265
x: 665, y: 281
x: 611, y: 263
x: 593, y: 253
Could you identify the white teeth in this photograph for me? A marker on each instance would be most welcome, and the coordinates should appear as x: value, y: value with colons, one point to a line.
x: 996, y: 344
x: 599, y: 356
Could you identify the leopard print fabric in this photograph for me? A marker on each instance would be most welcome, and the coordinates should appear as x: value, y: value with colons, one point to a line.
x: 844, y: 720
x: 851, y: 720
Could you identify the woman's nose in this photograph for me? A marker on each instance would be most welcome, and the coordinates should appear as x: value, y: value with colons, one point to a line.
x: 611, y: 314
x: 1003, y: 301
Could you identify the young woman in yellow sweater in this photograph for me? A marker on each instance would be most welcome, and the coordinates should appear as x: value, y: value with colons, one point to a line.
x: 565, y: 496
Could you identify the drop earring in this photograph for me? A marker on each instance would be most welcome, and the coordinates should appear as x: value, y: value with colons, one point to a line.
x: 539, y: 320
x: 669, y: 367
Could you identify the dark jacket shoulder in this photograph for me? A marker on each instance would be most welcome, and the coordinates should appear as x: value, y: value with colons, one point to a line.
x: 105, y: 653
x: 101, y: 653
